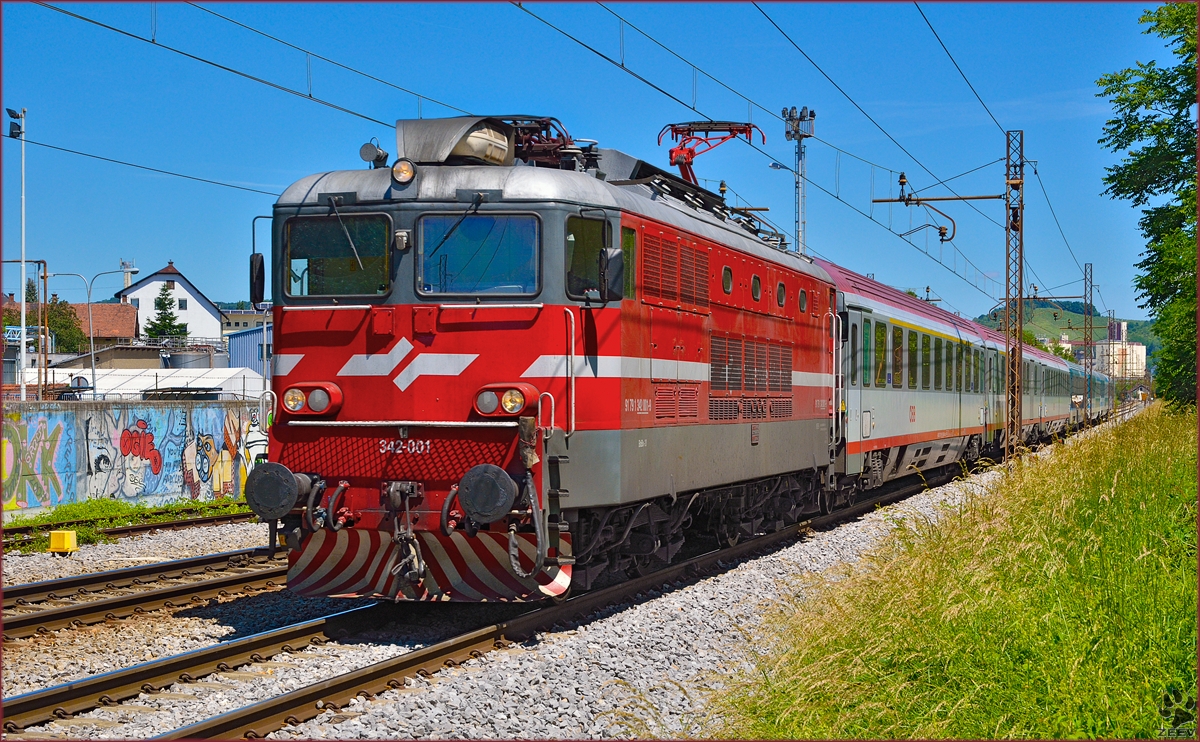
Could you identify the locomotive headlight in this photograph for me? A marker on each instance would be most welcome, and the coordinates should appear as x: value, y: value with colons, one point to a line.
x: 487, y: 401
x: 318, y: 400
x: 403, y: 171
x: 293, y: 399
x: 513, y: 400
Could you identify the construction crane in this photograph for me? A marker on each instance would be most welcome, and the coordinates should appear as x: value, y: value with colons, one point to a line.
x: 697, y: 137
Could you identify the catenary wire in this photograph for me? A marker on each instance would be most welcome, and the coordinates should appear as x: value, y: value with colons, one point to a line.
x: 692, y: 108
x: 739, y: 94
x: 1056, y: 222
x: 335, y: 63
x: 1028, y: 265
x: 955, y: 63
x: 146, y: 167
x: 864, y: 113
x: 239, y: 73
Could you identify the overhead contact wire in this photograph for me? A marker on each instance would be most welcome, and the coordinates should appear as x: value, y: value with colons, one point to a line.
x: 226, y: 68
x: 148, y: 168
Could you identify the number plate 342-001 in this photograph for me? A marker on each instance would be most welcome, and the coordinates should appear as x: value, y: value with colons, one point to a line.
x: 404, y: 446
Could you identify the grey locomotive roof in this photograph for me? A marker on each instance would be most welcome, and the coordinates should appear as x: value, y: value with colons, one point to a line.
x: 525, y: 183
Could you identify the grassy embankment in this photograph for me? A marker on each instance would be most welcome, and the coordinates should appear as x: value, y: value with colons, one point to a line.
x: 1062, y: 605
x: 105, y: 513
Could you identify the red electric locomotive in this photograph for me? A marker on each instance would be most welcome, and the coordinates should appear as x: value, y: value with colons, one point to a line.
x: 512, y: 363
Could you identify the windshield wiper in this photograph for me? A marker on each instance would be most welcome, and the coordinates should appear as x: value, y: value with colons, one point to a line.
x: 333, y: 205
x: 478, y: 199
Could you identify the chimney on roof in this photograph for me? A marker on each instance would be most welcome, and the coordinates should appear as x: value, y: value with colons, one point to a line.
x: 12, y: 297
x: 53, y: 299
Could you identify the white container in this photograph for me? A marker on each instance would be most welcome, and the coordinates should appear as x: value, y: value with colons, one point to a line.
x: 485, y: 143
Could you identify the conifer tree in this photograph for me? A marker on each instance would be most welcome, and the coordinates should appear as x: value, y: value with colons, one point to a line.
x: 165, y: 322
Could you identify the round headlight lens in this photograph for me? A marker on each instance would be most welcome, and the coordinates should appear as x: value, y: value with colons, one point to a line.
x: 318, y: 400
x: 293, y: 399
x: 487, y: 402
x: 403, y: 171
x: 513, y: 400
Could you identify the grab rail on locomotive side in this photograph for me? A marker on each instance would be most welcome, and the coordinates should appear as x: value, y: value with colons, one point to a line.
x: 570, y: 370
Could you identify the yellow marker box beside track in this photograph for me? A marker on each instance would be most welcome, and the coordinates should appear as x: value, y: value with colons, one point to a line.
x: 63, y: 542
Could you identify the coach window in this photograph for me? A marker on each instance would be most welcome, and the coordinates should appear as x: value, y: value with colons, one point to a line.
x: 958, y: 367
x: 937, y: 363
x: 881, y: 356
x: 912, y: 360
x: 897, y: 357
x: 966, y: 368
x: 866, y: 348
x: 629, y: 248
x: 853, y: 355
x: 924, y: 361
x: 585, y: 239
x: 780, y: 295
x: 978, y: 371
x: 756, y: 288
x: 727, y: 280
x: 804, y: 306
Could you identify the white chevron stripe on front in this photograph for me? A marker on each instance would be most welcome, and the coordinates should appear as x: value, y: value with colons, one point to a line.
x: 434, y: 364
x: 377, y: 364
x: 284, y: 362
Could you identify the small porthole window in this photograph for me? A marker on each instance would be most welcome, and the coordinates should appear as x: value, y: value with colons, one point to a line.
x: 727, y: 279
x: 756, y: 288
x: 780, y: 294
x: 803, y: 300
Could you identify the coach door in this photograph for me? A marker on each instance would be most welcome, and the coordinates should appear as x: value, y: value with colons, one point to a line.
x: 853, y: 375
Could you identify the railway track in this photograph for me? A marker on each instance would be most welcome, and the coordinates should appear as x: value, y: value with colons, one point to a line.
x: 25, y: 534
x: 38, y: 607
x: 261, y: 718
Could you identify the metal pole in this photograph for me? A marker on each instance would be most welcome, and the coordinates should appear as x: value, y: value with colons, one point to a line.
x: 1014, y: 310
x: 91, y: 334
x: 799, y: 195
x: 23, y: 359
x: 1088, y: 347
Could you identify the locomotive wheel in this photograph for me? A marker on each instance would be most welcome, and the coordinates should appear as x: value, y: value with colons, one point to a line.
x: 825, y: 501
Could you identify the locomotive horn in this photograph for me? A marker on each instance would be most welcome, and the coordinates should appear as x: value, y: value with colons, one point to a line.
x: 486, y: 493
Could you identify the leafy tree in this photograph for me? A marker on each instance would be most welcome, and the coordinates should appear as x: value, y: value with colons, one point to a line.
x: 165, y: 323
x: 1154, y: 126
x: 69, y: 335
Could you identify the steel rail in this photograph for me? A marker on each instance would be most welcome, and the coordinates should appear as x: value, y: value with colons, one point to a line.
x: 62, y: 701
x: 262, y: 718
x: 67, y: 587
x: 96, y: 611
x: 34, y: 530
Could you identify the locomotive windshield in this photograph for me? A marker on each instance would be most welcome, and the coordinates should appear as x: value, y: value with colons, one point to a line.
x: 338, y: 255
x: 478, y: 254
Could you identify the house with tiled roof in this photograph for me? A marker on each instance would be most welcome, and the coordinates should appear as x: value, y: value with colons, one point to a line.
x: 111, y: 323
x: 192, y: 307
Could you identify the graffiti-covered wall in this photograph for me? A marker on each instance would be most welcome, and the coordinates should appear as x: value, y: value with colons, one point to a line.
x: 148, y: 452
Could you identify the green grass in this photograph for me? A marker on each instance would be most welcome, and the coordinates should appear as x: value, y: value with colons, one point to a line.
x: 105, y: 513
x: 1062, y: 605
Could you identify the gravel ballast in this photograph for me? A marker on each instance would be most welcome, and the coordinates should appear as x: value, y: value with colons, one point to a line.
x: 161, y: 546
x: 639, y: 669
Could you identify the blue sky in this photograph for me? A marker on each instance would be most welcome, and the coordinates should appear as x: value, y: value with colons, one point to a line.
x: 1034, y: 64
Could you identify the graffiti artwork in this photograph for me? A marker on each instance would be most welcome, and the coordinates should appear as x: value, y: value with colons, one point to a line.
x: 38, y: 460
x: 135, y: 453
x: 146, y: 453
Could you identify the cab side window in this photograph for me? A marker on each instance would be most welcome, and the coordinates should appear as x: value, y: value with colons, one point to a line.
x: 629, y: 240
x: 586, y: 238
